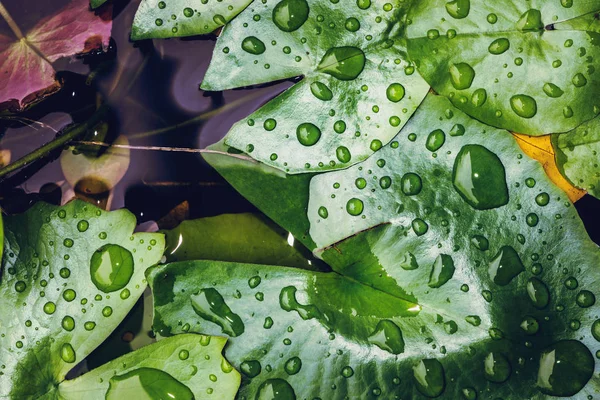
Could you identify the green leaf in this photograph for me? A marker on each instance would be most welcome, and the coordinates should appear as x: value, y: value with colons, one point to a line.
x: 440, y: 290
x: 282, y: 197
x: 499, y: 62
x: 357, y: 90
x: 54, y: 313
x: 190, y: 366
x: 179, y: 18
x: 244, y: 238
x: 96, y: 3
x: 577, y: 156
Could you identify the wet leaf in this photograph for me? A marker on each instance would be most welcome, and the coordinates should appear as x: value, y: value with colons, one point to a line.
x: 457, y: 272
x: 69, y: 276
x: 26, y: 73
x: 233, y: 237
x: 577, y: 156
x: 182, y: 367
x: 357, y: 91
x: 159, y: 19
x: 501, y: 63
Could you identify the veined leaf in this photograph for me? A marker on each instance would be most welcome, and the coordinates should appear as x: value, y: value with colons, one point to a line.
x: 500, y: 62
x: 577, y: 156
x: 69, y: 276
x: 244, y: 238
x: 159, y: 19
x: 459, y: 271
x: 26, y: 73
x: 357, y: 90
x: 182, y: 367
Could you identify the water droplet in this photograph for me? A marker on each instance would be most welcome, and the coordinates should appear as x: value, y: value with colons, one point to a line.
x: 388, y: 336
x: 596, y: 330
x: 496, y: 367
x: 505, y: 266
x: 429, y: 377
x: 499, y: 46
x: 347, y: 372
x: 68, y: 323
x: 158, y: 384
x: 254, y: 281
x: 250, y: 368
x: 524, y: 106
x: 360, y: 183
x: 531, y: 20
x: 585, y: 299
x: 268, y: 323
x: 270, y: 124
x: 158, y: 21
x: 461, y: 76
x: 469, y: 393
x: 442, y: 271
x: 411, y: 184
x: 288, y: 302
x: 457, y: 130
x: 480, y: 242
x: 565, y: 368
x: 352, y: 24
x: 552, y: 90
x: 219, y: 19
x: 458, y: 8
x: 69, y: 295
x: 107, y: 311
x: 49, y: 308
x: 188, y: 12
x: 474, y: 320
x: 293, y: 366
x: 530, y: 325
x: 308, y: 134
x: 290, y: 15
x: 343, y: 154
x: 419, y: 226
x: 111, y: 268
x: 479, y: 177
x: 125, y: 293
x: 162, y: 5
x: 64, y: 272
x: 83, y: 225
x: 579, y: 80
x: 409, y: 262
x: 542, y: 199
x: 395, y: 92
x: 354, y: 207
x: 20, y: 286
x: 210, y: 305
x: 450, y: 327
x: 184, y: 354
x: 67, y: 353
x: 385, y: 182
x: 435, y: 140
x: 275, y: 389
x: 253, y: 45
x: 344, y: 63
x: 479, y: 97
x: 321, y: 91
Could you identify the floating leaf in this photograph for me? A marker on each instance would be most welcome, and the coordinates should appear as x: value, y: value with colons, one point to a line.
x: 182, y: 367
x: 69, y: 276
x: 577, y: 156
x: 96, y: 3
x: 358, y: 88
x: 233, y: 237
x: 501, y: 63
x: 437, y: 290
x: 178, y: 18
x: 26, y: 73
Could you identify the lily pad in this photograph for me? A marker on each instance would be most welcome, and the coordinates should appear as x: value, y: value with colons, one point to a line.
x: 510, y: 63
x: 438, y: 289
x: 357, y: 91
x: 577, y: 156
x: 26, y: 73
x: 159, y: 19
x: 69, y: 276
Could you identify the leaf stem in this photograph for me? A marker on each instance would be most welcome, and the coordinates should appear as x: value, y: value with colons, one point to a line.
x: 69, y: 135
x: 11, y: 22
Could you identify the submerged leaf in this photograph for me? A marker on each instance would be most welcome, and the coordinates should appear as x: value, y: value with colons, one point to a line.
x: 577, y: 156
x: 182, y: 367
x: 26, y: 73
x: 158, y: 19
x: 69, y: 276
x: 504, y: 63
x: 437, y: 289
x: 357, y: 90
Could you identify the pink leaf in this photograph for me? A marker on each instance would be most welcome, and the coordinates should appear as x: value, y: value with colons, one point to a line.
x: 26, y: 75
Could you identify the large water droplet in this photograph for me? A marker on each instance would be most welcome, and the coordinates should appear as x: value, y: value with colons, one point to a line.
x: 505, y: 266
x: 250, y: 368
x: 354, y: 207
x: 209, y: 305
x: 530, y: 325
x: 441, y: 271
x: 552, y: 90
x: 67, y: 353
x: 253, y: 45
x: 499, y: 46
x: 531, y: 20
x: 395, y: 92
x: 496, y: 367
x: 458, y: 8
x: 409, y: 261
x: 275, y: 389
x: 411, y: 184
x: 461, y: 76
x: 429, y: 377
x: 388, y: 336
x: 308, y: 134
x: 111, y: 267
x: 565, y: 368
x: 523, y: 105
x: 147, y: 383
x: 288, y: 302
x: 321, y: 91
x: 435, y: 140
x: 293, y: 366
x: 289, y: 15
x: 538, y: 293
x: 479, y: 177
x: 344, y: 63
